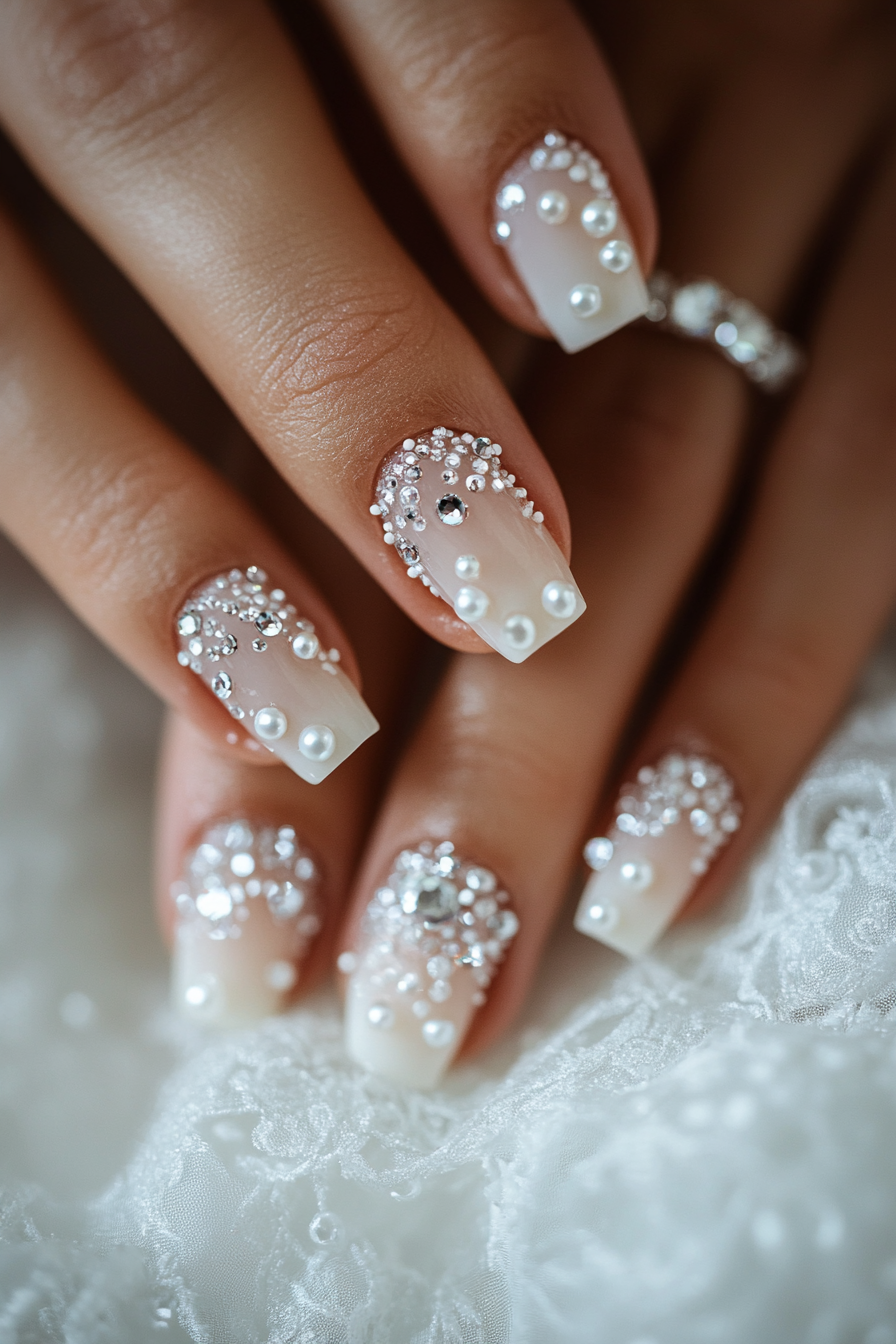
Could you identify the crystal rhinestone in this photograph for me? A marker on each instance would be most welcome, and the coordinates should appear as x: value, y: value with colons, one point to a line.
x: 222, y: 685
x: 585, y: 300
x: 440, y: 991
x: 432, y: 897
x: 452, y: 510
x: 730, y: 822
x: 412, y: 473
x: 694, y: 307
x: 510, y: 196
x: 638, y: 876
x: 475, y: 483
x: 559, y: 599
x: 270, y: 723
x: 216, y: 904
x: 408, y: 983
x: 317, y: 742
x: 725, y: 334
x: 480, y: 444
x: 268, y: 624
x: 381, y: 1015
x: 449, y: 477
x: 285, y: 901
x: 439, y: 1034
x: 538, y: 158
x: 599, y: 218
x: 502, y: 230
x: 470, y: 604
x: 466, y: 567
x: 598, y: 852
x: 616, y: 256
x: 519, y: 631
x: 409, y: 495
x: 439, y: 968
x: 481, y: 880
x: 507, y: 926
x: 552, y: 207
x: 305, y: 645
x: 701, y: 822
x: 409, y: 554
x: 242, y: 865
x: 195, y: 647
x: 189, y: 623
x: 259, y: 645
x: 604, y: 916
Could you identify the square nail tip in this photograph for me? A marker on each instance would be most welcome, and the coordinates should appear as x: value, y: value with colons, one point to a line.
x: 315, y: 772
x: 634, y: 946
x: 397, y: 1060
x: 582, y: 340
x: 521, y: 655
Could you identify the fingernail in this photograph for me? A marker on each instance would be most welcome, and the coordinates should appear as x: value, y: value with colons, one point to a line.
x: 431, y: 941
x: 465, y: 528
x: 668, y: 828
x: 557, y: 217
x: 247, y: 910
x: 246, y: 642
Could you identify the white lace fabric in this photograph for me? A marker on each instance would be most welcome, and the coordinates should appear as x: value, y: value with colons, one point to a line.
x: 696, y: 1149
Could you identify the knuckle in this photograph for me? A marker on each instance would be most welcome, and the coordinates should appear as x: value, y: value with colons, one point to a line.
x: 116, y: 64
x: 355, y: 346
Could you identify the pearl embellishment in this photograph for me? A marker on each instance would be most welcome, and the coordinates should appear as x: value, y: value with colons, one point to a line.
x: 559, y: 599
x: 317, y: 743
x: 585, y: 300
x: 270, y: 723
x: 470, y: 604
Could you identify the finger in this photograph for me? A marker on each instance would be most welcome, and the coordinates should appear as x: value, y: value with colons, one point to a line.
x: 807, y: 598
x: 252, y: 873
x: 152, y: 549
x: 468, y: 91
x: 505, y: 763
x: 191, y: 145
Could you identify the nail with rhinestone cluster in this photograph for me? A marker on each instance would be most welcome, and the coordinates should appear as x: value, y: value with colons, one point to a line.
x: 432, y: 939
x: 245, y: 640
x: 464, y: 526
x: 563, y: 229
x: 669, y: 826
x: 248, y: 907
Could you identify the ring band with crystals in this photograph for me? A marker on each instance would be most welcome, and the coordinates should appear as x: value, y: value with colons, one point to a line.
x: 703, y: 310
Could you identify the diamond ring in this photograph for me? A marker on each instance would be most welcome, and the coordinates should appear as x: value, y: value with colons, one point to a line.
x: 704, y: 311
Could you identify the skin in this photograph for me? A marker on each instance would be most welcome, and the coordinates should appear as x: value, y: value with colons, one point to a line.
x: 652, y: 443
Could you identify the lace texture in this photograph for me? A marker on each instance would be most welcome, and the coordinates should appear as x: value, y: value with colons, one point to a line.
x: 696, y: 1149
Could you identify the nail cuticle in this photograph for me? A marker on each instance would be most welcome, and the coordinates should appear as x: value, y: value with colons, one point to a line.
x: 246, y: 641
x: 669, y: 826
x: 559, y: 221
x: 464, y: 526
x: 431, y: 942
x: 248, y: 908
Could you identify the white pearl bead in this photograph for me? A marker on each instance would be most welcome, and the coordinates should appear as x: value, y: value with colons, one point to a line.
x: 598, y: 852
x: 604, y: 916
x: 585, y: 300
x: 439, y: 1034
x: 511, y: 195
x: 317, y: 742
x: 599, y: 218
x: 638, y: 876
x: 242, y: 865
x: 466, y: 567
x: 616, y: 256
x: 552, y: 207
x: 270, y: 723
x: 305, y: 645
x: 559, y: 599
x: 471, y: 604
x: 519, y: 631
x: 380, y: 1015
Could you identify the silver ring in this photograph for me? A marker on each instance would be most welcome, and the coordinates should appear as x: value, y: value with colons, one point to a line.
x: 703, y: 311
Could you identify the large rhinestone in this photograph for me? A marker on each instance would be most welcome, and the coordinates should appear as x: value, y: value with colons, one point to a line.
x: 452, y: 510
x: 432, y: 897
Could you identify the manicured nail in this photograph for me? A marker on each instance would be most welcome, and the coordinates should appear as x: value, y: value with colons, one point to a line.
x: 668, y: 828
x: 247, y: 911
x: 432, y: 939
x: 246, y: 642
x: 465, y: 528
x: 557, y: 216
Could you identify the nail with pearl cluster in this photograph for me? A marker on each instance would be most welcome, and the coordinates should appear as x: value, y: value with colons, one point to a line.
x: 669, y: 826
x: 563, y: 229
x: 244, y: 638
x: 431, y: 942
x: 463, y: 525
x: 247, y: 908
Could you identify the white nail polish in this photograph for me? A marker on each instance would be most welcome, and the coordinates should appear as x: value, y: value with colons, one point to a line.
x: 432, y: 939
x: 246, y: 642
x: 562, y: 227
x: 465, y: 528
x: 669, y: 826
x: 247, y: 910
